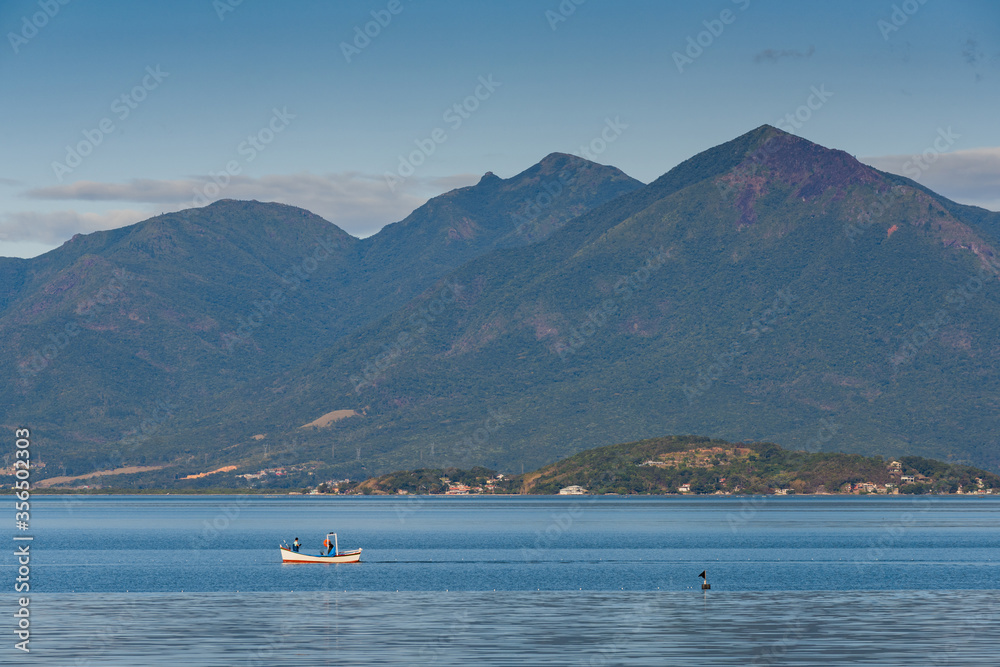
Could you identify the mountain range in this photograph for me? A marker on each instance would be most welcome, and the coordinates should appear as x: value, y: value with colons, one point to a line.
x: 765, y: 289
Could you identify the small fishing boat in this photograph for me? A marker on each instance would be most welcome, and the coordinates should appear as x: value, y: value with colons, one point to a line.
x: 333, y: 555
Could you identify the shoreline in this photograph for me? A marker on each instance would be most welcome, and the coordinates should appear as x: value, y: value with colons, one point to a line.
x: 131, y: 492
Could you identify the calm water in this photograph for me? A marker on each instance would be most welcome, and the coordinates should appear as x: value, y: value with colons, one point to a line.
x: 157, y: 580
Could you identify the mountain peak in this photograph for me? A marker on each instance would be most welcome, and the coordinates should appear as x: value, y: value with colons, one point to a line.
x: 489, y: 178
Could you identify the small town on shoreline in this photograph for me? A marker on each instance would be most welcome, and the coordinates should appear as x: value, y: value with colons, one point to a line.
x: 496, y: 483
x: 674, y: 465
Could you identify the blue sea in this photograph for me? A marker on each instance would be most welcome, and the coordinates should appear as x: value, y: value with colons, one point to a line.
x: 143, y: 580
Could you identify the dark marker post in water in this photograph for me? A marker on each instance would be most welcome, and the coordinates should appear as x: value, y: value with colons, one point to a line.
x: 705, y: 585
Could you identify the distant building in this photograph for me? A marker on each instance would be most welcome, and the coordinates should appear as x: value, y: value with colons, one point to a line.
x: 907, y: 478
x: 684, y: 488
x: 573, y: 491
x: 895, y: 466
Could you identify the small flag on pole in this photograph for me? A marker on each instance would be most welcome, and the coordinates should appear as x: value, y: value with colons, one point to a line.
x: 702, y: 575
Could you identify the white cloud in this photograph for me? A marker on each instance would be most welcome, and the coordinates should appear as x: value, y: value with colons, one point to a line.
x: 359, y: 203
x: 136, y: 190
x: 968, y: 176
x: 57, y: 226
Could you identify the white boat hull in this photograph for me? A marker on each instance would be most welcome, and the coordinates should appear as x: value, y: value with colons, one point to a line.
x: 289, y: 556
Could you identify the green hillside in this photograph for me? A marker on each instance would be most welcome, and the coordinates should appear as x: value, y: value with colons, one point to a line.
x: 696, y: 465
x: 665, y: 465
x: 768, y: 289
x: 120, y: 337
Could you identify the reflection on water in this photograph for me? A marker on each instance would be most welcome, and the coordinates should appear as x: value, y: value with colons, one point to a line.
x: 518, y: 628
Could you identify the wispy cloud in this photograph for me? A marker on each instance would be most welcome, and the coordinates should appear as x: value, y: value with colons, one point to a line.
x: 58, y: 226
x: 136, y: 190
x: 774, y: 55
x: 359, y: 203
x: 968, y: 176
x: 11, y: 182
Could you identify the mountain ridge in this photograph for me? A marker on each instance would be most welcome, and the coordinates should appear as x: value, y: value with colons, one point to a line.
x: 843, y: 197
x: 762, y: 289
x: 195, y: 303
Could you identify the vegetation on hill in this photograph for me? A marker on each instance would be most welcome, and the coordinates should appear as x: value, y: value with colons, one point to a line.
x: 768, y: 289
x: 697, y: 465
x: 172, y: 326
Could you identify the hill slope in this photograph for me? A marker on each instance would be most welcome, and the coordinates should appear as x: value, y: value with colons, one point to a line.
x: 692, y: 464
x: 767, y: 289
x: 132, y: 331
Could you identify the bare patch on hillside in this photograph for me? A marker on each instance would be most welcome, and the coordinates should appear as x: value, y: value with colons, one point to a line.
x: 331, y: 417
x: 128, y: 470
x: 210, y: 472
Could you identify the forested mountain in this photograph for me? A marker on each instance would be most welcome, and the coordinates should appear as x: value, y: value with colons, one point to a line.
x: 766, y: 289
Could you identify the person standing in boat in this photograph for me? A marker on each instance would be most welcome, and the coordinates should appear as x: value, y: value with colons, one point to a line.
x: 328, y: 545
x: 296, y: 545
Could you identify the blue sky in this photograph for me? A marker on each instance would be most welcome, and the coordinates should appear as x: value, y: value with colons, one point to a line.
x: 200, y: 78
